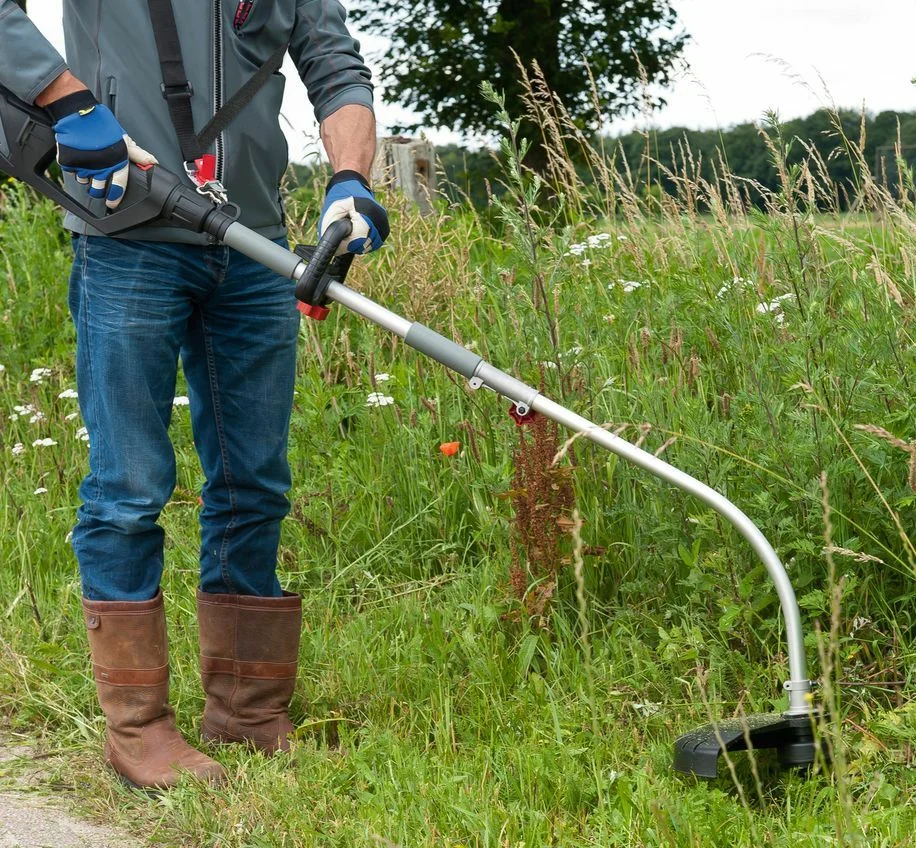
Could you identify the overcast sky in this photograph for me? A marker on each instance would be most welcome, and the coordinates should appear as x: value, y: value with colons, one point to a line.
x: 745, y: 57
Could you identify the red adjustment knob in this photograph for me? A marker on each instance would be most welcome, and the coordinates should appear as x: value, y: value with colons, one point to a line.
x: 316, y: 313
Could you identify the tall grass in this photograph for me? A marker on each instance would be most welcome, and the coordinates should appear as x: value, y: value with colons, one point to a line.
x: 763, y: 351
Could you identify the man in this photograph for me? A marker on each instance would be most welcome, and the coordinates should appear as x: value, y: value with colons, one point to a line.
x: 142, y: 301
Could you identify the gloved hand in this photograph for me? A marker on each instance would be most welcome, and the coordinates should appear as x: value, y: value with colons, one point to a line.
x: 349, y: 196
x: 92, y: 145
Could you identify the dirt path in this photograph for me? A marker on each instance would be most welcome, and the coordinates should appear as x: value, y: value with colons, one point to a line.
x: 30, y: 817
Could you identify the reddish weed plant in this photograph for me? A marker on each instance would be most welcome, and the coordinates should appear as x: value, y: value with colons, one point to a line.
x: 542, y: 496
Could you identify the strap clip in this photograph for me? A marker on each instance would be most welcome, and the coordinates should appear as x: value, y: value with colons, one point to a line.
x: 202, y: 172
x: 184, y: 89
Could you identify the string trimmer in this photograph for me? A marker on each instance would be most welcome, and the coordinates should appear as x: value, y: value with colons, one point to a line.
x: 27, y: 149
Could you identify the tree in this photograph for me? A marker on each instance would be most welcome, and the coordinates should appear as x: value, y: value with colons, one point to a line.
x: 442, y: 50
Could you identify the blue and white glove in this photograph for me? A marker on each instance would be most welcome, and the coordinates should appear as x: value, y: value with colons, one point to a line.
x: 93, y: 146
x: 349, y: 196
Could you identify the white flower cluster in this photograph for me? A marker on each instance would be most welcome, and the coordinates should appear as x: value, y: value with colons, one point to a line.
x: 736, y: 283
x: 38, y: 375
x: 68, y: 393
x: 21, y: 411
x: 382, y: 378
x: 180, y: 400
x: 378, y: 399
x: 43, y: 443
x: 774, y: 307
x: 82, y: 434
x: 628, y: 285
x: 595, y: 242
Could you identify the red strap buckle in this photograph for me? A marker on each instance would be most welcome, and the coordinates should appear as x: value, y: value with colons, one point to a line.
x: 205, y: 169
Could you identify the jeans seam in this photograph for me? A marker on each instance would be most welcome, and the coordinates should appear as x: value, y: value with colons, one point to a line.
x: 223, y: 556
x: 84, y: 323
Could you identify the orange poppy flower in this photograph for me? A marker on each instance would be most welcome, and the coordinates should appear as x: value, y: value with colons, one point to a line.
x: 450, y: 448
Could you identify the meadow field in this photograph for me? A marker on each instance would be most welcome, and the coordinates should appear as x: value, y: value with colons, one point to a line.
x: 500, y: 645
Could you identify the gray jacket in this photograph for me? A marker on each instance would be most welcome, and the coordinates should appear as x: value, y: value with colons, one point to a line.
x: 111, y: 48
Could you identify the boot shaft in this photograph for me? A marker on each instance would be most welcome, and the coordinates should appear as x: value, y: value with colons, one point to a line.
x: 130, y: 658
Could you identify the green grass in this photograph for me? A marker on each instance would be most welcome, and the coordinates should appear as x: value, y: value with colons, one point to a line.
x: 431, y: 712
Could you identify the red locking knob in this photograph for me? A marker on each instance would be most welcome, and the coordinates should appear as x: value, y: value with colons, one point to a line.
x: 316, y: 313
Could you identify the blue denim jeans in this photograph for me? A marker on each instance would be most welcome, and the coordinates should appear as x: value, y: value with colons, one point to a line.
x: 137, y: 307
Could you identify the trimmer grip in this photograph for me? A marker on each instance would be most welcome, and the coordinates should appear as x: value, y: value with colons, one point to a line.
x: 309, y: 288
x: 28, y: 147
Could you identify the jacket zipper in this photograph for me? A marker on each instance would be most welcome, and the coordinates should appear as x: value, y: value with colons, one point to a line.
x: 218, y: 79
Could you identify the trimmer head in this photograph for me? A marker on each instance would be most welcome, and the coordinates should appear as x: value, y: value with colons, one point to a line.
x: 792, y: 737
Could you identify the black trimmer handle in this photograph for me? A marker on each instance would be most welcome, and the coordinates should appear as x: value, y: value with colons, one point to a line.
x: 154, y: 195
x: 313, y: 283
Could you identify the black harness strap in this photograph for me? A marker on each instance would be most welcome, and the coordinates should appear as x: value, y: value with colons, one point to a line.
x: 177, y: 91
x: 241, y: 98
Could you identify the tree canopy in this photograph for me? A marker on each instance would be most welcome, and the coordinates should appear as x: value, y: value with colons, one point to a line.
x: 442, y: 50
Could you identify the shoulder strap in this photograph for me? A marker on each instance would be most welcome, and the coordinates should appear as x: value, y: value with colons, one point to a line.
x: 241, y: 98
x: 177, y: 91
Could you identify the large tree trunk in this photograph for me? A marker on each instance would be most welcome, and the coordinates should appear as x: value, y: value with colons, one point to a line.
x: 530, y: 28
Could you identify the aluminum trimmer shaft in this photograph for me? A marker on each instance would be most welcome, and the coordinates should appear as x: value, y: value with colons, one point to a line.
x: 527, y: 399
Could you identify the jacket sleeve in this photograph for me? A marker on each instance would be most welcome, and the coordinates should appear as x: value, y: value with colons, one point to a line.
x: 328, y: 58
x: 28, y: 62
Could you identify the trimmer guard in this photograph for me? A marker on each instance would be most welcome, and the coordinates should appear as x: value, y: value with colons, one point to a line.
x: 793, y: 738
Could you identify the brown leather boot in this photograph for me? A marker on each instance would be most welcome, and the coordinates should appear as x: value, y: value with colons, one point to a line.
x: 131, y: 667
x: 249, y: 650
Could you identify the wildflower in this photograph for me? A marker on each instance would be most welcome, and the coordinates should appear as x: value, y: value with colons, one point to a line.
x: 38, y: 375
x: 860, y: 622
x: 609, y: 318
x: 450, y: 448
x: 2, y: 368
x: 575, y: 350
x: 378, y: 399
x: 70, y: 416
x: 736, y: 283
x: 774, y: 307
x: 181, y: 400
x: 382, y: 378
x: 82, y: 434
x: 68, y: 393
x: 585, y: 263
x: 40, y: 491
x: 17, y: 449
x: 622, y: 237
x: 548, y: 363
x: 599, y: 240
x: 647, y: 708
x: 20, y: 411
x: 43, y: 443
